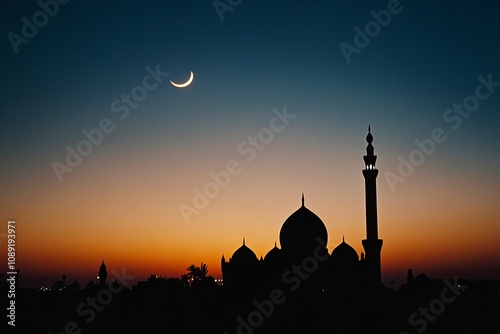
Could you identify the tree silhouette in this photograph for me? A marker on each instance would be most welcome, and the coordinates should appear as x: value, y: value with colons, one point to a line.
x: 193, y: 272
x: 75, y: 286
x: 203, y: 271
x: 61, y: 284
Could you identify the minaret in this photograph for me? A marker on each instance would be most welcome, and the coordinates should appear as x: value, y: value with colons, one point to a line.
x: 102, y: 275
x: 372, y: 244
x: 222, y: 265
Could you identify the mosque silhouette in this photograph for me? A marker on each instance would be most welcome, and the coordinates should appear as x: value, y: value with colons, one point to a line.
x: 304, y: 256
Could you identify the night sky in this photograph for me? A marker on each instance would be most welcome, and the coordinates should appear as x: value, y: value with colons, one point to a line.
x: 298, y: 78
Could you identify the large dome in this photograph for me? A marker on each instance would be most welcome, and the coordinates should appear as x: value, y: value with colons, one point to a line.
x: 301, y: 230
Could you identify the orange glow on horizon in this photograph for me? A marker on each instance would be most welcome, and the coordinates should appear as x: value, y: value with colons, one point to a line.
x: 70, y: 227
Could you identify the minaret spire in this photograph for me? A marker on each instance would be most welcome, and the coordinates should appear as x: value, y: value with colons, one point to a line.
x: 243, y: 241
x: 303, y: 199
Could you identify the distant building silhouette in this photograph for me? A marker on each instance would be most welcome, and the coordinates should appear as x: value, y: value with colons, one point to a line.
x: 304, y: 235
x: 410, y: 277
x: 102, y: 275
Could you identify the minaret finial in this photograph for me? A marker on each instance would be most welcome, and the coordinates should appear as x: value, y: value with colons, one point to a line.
x: 370, y: 157
x: 303, y: 199
x: 243, y: 241
x: 343, y: 239
x: 369, y: 137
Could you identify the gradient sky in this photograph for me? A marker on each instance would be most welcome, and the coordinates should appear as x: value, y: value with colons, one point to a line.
x: 121, y: 203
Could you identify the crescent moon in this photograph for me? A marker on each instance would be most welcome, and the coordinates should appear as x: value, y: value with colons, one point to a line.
x: 182, y: 85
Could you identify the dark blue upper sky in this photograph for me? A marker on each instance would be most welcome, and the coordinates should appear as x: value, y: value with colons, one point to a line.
x: 280, y: 51
x: 262, y: 54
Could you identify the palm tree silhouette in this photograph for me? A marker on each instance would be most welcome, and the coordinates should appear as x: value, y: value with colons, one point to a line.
x: 203, y: 271
x: 193, y: 272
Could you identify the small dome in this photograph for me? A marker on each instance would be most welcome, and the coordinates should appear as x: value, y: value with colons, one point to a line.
x: 344, y: 253
x: 244, y: 255
x: 301, y: 230
x: 273, y: 256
